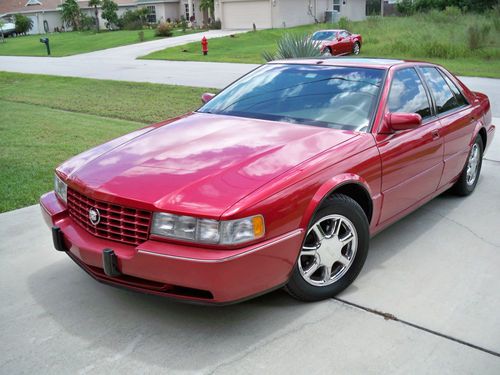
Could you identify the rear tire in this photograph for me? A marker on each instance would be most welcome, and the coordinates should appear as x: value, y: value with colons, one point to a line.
x: 356, y: 49
x: 327, y: 52
x: 467, y: 181
x: 327, y: 265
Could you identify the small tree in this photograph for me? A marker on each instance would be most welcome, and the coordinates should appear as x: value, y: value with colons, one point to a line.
x: 2, y: 23
x: 23, y: 23
x: 108, y: 12
x: 143, y: 14
x: 95, y: 4
x: 71, y: 14
x: 207, y: 6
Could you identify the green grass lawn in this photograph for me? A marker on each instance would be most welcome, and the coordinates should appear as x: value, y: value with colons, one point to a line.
x: 436, y: 37
x: 72, y: 43
x: 45, y: 120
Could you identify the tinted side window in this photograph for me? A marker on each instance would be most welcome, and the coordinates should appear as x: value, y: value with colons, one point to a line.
x: 458, y: 94
x: 445, y: 100
x: 408, y: 94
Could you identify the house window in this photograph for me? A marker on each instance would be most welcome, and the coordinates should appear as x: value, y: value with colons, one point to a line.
x: 151, y: 14
x: 336, y: 6
x: 33, y: 2
x: 186, y: 11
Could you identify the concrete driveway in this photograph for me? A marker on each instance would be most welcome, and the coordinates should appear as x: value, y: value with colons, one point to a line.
x: 426, y: 302
x: 435, y: 272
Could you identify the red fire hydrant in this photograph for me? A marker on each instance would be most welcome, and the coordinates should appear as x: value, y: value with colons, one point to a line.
x: 204, y: 46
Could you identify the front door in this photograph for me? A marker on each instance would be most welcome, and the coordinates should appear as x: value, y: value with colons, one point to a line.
x: 412, y: 160
x: 345, y: 42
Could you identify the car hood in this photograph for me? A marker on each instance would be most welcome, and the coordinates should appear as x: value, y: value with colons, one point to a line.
x: 200, y: 164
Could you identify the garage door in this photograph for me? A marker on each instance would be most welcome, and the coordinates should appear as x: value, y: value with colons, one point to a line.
x: 243, y: 14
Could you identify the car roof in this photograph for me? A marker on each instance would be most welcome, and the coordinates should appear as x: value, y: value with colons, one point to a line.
x: 320, y: 31
x: 362, y: 62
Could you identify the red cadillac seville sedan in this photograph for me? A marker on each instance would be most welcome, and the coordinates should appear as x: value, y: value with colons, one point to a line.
x: 278, y: 181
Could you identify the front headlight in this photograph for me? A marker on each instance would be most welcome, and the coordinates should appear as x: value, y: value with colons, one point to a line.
x: 206, y: 230
x: 61, y: 189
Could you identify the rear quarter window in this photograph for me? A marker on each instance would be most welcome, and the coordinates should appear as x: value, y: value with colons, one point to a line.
x: 443, y: 96
x: 458, y: 94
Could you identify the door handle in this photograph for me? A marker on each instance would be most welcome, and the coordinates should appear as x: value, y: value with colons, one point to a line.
x: 435, y: 134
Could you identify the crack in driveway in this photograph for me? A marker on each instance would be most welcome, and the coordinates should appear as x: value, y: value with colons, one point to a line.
x: 389, y: 316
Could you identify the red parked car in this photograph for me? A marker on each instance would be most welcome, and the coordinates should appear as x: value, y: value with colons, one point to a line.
x: 279, y: 180
x: 338, y: 42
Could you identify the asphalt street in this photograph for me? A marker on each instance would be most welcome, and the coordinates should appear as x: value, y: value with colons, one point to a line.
x: 121, y: 64
x: 426, y: 302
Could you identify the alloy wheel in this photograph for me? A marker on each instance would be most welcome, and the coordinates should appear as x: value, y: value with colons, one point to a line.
x: 328, y: 251
x: 473, y: 164
x: 356, y: 49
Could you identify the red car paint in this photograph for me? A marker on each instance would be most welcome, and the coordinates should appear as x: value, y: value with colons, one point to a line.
x: 342, y: 43
x: 225, y: 167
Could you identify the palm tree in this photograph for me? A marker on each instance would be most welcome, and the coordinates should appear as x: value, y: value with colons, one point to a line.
x: 95, y: 4
x: 70, y: 13
x: 207, y: 6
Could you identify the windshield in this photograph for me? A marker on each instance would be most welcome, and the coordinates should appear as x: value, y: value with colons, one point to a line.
x: 323, y: 35
x: 327, y: 96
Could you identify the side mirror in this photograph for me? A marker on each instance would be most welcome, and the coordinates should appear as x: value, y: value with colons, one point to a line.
x: 339, y: 38
x: 206, y: 97
x: 403, y: 121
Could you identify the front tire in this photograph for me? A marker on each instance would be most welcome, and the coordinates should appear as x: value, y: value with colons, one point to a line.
x: 334, y: 251
x: 467, y: 181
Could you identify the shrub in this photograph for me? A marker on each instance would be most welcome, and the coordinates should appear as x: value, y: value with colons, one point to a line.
x: 23, y: 23
x: 477, y: 36
x: 108, y: 13
x: 344, y: 23
x: 183, y: 24
x: 405, y: 7
x: 215, y: 25
x: 437, y: 49
x: 496, y: 24
x: 372, y: 7
x: 293, y: 46
x: 465, y: 5
x: 87, y: 22
x: 452, y: 12
x: 134, y: 19
x: 164, y: 29
x: 426, y: 5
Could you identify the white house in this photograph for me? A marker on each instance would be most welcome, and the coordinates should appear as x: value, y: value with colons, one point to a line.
x: 242, y: 14
x: 233, y: 14
x: 46, y: 14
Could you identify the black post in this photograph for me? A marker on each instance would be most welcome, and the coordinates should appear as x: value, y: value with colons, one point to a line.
x: 46, y: 42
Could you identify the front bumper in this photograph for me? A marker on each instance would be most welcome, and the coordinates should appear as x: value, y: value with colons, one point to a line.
x: 180, y: 271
